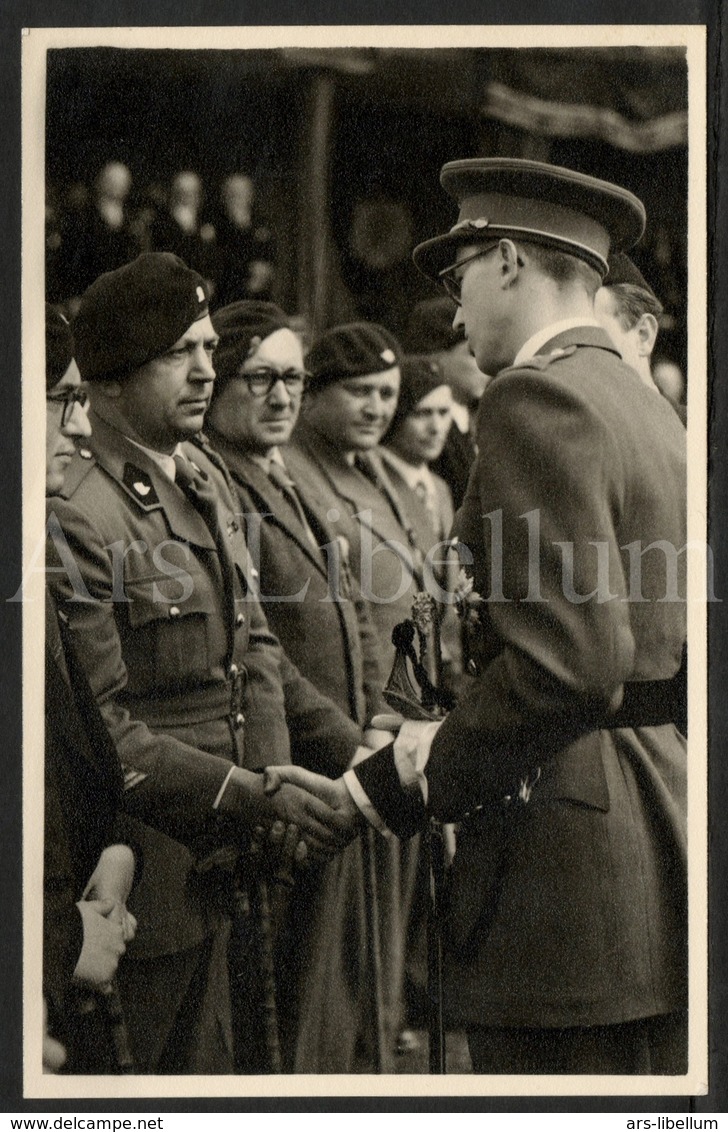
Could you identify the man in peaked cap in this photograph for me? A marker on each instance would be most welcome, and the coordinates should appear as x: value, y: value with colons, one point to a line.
x: 567, y: 918
x: 152, y: 572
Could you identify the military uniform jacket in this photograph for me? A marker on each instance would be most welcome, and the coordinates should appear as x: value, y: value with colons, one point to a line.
x: 384, y: 554
x: 307, y: 592
x: 181, y: 660
x: 568, y: 903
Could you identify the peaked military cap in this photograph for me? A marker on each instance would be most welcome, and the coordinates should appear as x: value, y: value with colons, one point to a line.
x: 131, y: 315
x: 537, y: 203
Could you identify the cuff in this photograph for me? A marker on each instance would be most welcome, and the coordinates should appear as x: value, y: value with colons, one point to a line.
x: 362, y: 801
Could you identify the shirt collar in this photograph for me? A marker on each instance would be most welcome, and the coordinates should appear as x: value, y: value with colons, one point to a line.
x: 532, y: 345
x: 411, y: 474
x: 161, y: 459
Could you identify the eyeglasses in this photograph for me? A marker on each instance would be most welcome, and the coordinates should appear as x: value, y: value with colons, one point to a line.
x: 452, y: 284
x: 261, y: 381
x: 72, y: 395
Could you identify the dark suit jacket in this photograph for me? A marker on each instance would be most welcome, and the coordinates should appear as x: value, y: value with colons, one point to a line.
x: 385, y: 557
x: 332, y: 641
x: 158, y: 639
x: 82, y: 792
x: 570, y: 909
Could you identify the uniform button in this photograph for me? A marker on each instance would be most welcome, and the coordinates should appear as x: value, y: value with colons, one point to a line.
x: 85, y: 453
x: 239, y: 719
x: 233, y: 671
x: 174, y: 611
x: 240, y: 620
x: 472, y: 668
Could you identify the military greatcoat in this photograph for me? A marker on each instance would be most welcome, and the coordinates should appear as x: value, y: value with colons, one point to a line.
x: 568, y: 901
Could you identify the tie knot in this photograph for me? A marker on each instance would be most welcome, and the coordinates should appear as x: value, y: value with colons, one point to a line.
x: 279, y: 475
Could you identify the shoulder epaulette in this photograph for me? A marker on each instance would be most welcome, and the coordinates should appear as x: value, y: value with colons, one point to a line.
x: 541, y: 362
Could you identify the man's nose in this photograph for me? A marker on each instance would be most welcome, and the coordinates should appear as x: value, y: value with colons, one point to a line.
x: 202, y: 367
x: 458, y: 320
x: 279, y: 395
x: 78, y: 423
x: 374, y: 405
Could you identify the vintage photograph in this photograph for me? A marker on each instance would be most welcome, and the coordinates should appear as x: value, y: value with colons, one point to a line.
x: 365, y: 561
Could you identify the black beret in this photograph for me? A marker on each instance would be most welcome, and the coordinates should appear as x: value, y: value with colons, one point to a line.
x: 59, y: 346
x: 420, y: 376
x: 536, y: 203
x: 430, y: 327
x: 237, y: 325
x: 623, y: 270
x: 352, y: 350
x: 129, y: 316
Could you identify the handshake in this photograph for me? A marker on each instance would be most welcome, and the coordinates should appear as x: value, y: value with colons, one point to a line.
x: 316, y: 811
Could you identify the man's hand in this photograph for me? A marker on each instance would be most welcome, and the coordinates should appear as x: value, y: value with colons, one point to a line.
x: 112, y: 880
x: 319, y: 825
x: 280, y: 848
x: 103, y: 944
x: 346, y: 819
x: 54, y: 1055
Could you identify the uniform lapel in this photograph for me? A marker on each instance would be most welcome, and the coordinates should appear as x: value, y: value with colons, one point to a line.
x: 267, y: 499
x: 377, y: 509
x: 146, y: 484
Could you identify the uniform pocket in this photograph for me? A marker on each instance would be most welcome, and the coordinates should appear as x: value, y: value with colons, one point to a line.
x: 166, y: 641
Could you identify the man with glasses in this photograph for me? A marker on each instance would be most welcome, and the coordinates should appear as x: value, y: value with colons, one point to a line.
x: 567, y: 927
x: 324, y: 628
x: 153, y: 574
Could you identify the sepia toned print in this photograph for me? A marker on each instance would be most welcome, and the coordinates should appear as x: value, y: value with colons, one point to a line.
x: 394, y: 776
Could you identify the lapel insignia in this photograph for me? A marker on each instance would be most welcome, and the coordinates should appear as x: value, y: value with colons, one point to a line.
x: 232, y: 527
x: 138, y: 483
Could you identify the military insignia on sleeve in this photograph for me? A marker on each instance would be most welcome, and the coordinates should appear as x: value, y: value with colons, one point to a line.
x: 132, y: 777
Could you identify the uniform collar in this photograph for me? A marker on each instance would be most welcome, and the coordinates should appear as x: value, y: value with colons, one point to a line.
x: 533, y: 345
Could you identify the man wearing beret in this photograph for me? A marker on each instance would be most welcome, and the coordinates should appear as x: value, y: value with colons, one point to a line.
x: 567, y: 913
x: 152, y: 571
x: 334, y: 461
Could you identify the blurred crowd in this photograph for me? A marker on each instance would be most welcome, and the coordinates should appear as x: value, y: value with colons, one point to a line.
x: 97, y: 229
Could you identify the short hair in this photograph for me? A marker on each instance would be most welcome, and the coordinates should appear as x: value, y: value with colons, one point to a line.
x: 631, y: 302
x: 564, y: 268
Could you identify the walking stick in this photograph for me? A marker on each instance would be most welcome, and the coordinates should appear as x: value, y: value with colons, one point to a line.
x: 427, y: 702
x: 436, y: 1021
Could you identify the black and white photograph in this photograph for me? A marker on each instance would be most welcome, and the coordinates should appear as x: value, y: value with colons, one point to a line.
x: 366, y: 563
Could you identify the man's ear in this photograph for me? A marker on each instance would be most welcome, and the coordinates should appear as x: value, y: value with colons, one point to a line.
x: 510, y: 263
x: 646, y: 331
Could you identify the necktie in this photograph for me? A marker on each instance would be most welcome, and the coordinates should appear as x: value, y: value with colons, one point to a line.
x: 280, y: 477
x: 201, y: 493
x: 367, y: 467
x: 427, y: 501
